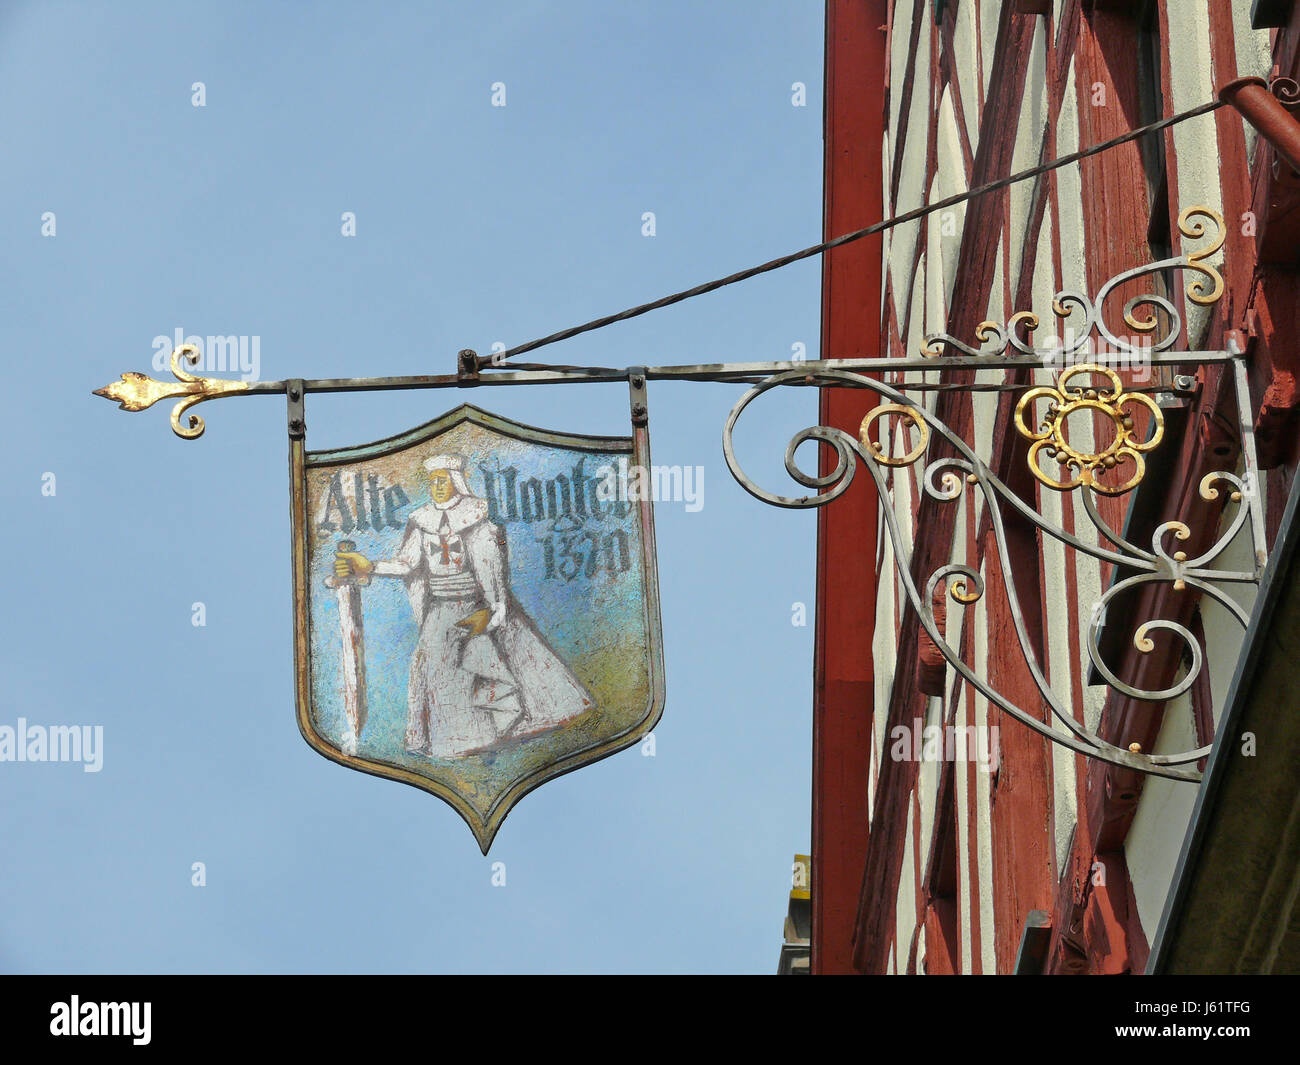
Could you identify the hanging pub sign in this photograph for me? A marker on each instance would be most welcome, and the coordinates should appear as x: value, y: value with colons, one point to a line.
x: 476, y: 609
x: 476, y: 601
x: 476, y: 606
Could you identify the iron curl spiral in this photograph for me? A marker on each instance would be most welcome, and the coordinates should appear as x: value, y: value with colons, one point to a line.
x: 847, y: 449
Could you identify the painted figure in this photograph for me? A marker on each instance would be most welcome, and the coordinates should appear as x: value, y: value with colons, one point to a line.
x: 481, y: 673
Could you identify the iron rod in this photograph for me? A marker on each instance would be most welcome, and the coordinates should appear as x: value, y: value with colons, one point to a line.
x: 737, y: 372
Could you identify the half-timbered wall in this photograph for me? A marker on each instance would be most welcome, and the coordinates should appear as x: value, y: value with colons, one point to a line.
x: 962, y: 849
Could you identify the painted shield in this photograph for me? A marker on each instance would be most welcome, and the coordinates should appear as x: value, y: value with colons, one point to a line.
x: 477, y: 607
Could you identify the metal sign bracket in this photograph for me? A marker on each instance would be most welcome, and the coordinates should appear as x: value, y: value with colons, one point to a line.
x: 902, y: 429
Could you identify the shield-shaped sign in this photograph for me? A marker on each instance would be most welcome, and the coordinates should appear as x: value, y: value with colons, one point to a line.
x: 476, y: 605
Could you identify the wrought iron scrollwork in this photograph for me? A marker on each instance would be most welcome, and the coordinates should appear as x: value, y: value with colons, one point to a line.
x: 1287, y: 91
x: 1084, y: 318
x: 949, y: 476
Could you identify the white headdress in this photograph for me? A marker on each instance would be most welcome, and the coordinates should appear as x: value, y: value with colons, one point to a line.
x: 453, y: 464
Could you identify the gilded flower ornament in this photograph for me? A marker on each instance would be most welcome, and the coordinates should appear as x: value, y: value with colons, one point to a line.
x: 1087, y: 468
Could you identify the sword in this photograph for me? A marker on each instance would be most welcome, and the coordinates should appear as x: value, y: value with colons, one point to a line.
x: 348, y: 591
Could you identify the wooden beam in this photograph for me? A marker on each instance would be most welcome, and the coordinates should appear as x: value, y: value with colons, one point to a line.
x: 856, y: 49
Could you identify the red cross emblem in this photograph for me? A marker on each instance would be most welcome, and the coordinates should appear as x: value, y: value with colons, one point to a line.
x: 451, y: 549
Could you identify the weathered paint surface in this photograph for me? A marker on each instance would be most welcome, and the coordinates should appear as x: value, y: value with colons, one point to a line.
x: 475, y: 712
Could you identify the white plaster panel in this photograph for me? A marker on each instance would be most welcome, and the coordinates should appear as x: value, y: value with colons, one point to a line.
x: 1161, y: 821
x: 966, y: 47
x: 911, y: 182
x: 951, y: 181
x: 1028, y: 146
x: 1191, y: 82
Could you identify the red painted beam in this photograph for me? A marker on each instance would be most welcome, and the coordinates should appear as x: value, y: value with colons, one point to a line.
x: 846, y: 530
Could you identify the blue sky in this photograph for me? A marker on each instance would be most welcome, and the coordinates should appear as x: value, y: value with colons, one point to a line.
x: 474, y: 224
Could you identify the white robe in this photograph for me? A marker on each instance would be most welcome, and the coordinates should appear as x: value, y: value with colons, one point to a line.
x: 468, y: 693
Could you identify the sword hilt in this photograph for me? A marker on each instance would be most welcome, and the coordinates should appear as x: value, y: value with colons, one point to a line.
x: 331, y: 581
